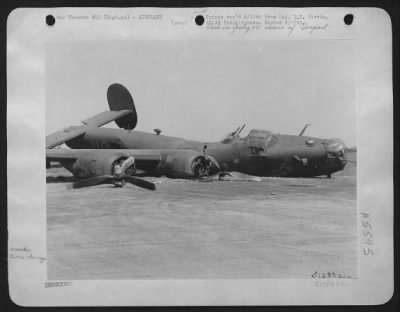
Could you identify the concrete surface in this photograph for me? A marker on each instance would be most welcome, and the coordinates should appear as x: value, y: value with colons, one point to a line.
x: 277, y: 228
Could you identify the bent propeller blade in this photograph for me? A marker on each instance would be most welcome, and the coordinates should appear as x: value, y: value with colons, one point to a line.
x: 141, y: 183
x: 105, y: 179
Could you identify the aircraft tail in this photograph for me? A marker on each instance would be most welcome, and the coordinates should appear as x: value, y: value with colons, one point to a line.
x: 122, y: 111
x: 119, y: 98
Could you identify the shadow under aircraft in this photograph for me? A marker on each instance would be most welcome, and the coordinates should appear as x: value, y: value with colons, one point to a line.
x: 106, y: 155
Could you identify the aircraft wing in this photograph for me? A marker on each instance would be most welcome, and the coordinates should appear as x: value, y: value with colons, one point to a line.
x: 182, y: 164
x: 70, y: 133
x: 64, y: 154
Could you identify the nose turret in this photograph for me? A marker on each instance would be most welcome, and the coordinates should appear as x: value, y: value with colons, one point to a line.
x: 335, y: 149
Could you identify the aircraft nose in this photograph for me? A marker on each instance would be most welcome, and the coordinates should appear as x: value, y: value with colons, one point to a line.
x: 336, y: 151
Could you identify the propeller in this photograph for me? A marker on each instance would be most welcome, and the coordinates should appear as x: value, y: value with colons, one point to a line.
x: 104, y: 179
x: 127, y: 163
x: 119, y: 178
x: 108, y: 179
x: 141, y: 183
x: 222, y: 174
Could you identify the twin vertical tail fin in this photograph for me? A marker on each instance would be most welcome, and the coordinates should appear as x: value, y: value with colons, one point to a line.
x: 122, y: 111
x: 119, y: 98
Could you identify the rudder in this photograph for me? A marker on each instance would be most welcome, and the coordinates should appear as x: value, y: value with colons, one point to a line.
x: 119, y: 98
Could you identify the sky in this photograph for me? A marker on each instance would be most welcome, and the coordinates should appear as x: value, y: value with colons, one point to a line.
x: 202, y: 90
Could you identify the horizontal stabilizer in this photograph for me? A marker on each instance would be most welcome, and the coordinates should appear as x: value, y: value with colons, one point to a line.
x: 70, y: 133
x: 105, y: 117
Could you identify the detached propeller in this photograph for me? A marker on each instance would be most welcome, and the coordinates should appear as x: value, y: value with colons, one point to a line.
x: 119, y: 178
x: 103, y: 179
x: 141, y: 183
x: 109, y: 179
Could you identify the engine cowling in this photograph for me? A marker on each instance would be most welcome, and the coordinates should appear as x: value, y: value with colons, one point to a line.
x: 95, y: 163
x: 181, y: 164
x: 187, y: 164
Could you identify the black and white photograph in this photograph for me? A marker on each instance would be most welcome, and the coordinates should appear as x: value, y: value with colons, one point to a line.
x: 220, y: 150
x: 208, y: 172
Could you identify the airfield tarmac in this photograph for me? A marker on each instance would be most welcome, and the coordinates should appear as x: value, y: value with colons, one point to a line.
x: 277, y: 228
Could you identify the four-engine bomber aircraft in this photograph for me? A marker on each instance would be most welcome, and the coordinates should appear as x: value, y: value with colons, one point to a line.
x: 106, y: 155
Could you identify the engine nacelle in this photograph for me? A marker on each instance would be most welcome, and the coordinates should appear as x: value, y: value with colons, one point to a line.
x: 96, y: 163
x: 182, y: 164
x: 187, y: 164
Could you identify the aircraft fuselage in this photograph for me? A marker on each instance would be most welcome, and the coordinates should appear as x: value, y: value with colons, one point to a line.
x: 261, y: 153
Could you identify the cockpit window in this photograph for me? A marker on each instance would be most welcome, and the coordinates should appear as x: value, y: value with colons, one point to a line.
x: 261, y: 140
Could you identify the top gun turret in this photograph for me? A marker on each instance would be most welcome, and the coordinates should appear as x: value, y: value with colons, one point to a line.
x: 230, y: 137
